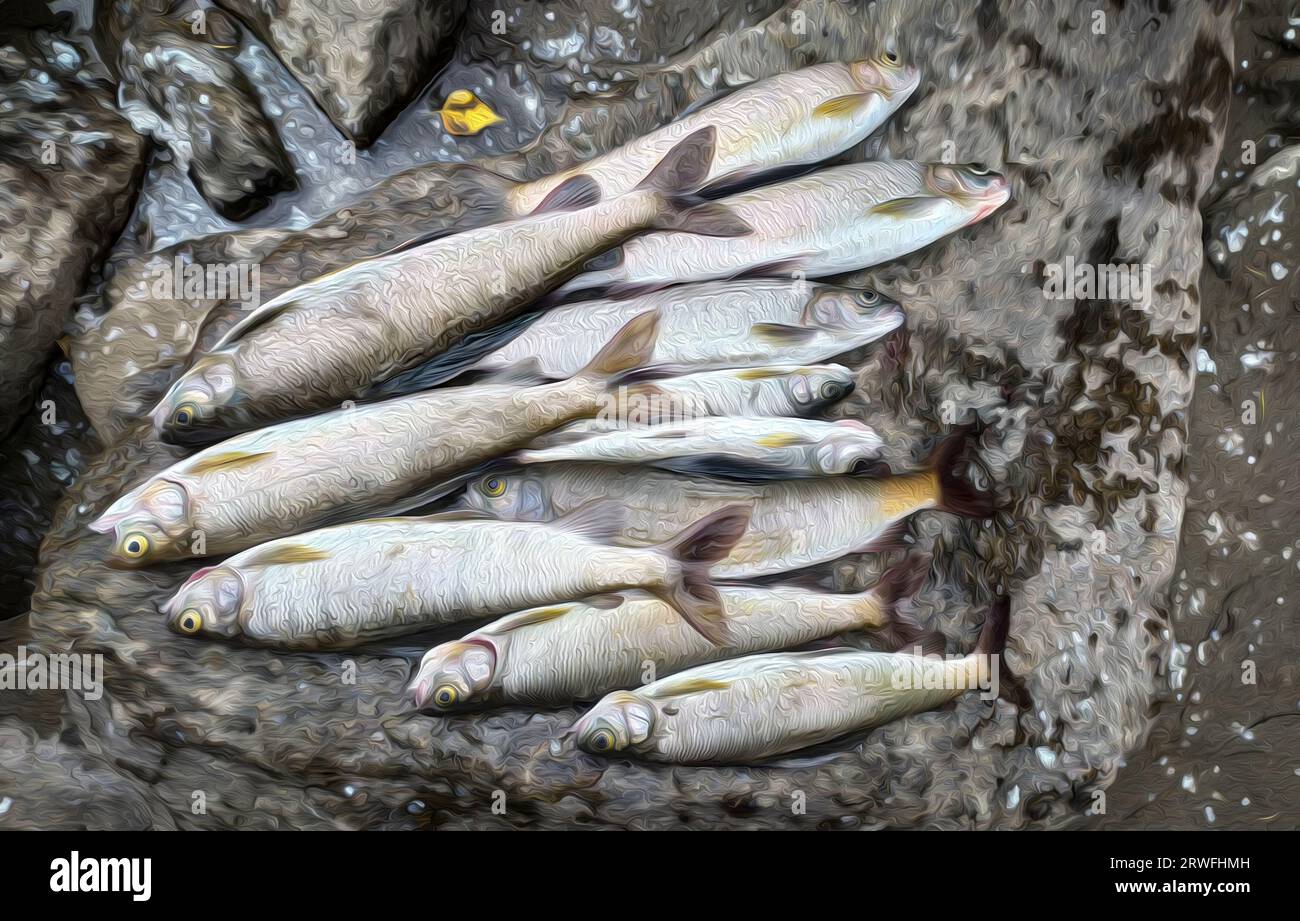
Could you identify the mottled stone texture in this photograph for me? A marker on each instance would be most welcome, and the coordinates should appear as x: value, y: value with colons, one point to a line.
x: 175, y: 64
x: 1079, y: 408
x: 361, y: 60
x: 69, y: 169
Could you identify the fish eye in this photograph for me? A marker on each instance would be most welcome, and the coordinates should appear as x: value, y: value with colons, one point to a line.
x: 445, y: 696
x: 190, y: 621
x: 830, y: 390
x: 891, y: 57
x: 602, y: 740
x: 979, y: 169
x: 493, y: 487
x: 185, y: 414
x: 868, y: 298
x: 135, y: 546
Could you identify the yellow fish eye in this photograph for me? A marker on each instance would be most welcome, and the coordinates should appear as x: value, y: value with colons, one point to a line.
x: 135, y: 546
x: 190, y: 621
x: 445, y: 696
x: 493, y: 487
x: 185, y: 414
x: 602, y: 740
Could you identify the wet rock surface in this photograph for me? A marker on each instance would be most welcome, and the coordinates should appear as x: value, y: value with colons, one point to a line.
x: 1221, y: 751
x: 175, y: 66
x: 1080, y: 404
x: 68, y: 175
x: 361, y: 61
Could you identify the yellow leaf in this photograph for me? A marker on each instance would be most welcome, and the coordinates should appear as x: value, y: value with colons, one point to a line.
x: 464, y: 114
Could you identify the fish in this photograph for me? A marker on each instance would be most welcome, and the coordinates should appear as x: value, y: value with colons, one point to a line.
x: 788, y: 120
x: 718, y: 325
x: 795, y: 523
x: 340, y: 586
x: 369, y: 460
x: 787, y: 447
x: 560, y: 653
x: 752, y: 709
x: 837, y: 220
x: 325, y: 342
x: 772, y: 390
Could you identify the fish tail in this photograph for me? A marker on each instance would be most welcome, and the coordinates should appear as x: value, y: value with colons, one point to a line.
x: 678, y: 176
x: 957, y: 494
x: 696, y: 549
x: 900, y: 630
x: 631, y: 347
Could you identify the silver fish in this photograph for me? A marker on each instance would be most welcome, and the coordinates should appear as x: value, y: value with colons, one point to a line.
x: 557, y: 654
x: 748, y: 710
x: 792, y: 447
x: 339, y: 586
x: 795, y: 523
x: 374, y: 459
x: 788, y: 120
x: 324, y: 342
x: 774, y: 390
x: 837, y: 220
x: 719, y: 325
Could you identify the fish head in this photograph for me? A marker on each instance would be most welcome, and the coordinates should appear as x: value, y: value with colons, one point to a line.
x: 618, y: 722
x: 976, y: 189
x: 862, y: 313
x: 454, y: 675
x: 510, y: 495
x: 148, y: 524
x: 208, y: 604
x: 199, y: 403
x: 813, y: 388
x: 848, y: 445
x: 887, y: 74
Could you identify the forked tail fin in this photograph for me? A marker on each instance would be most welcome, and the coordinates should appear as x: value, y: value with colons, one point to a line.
x: 957, y: 494
x: 677, y: 177
x: 696, y: 549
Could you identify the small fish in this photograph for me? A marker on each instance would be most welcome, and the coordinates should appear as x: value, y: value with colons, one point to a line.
x: 788, y: 120
x: 560, y: 653
x: 340, y: 586
x: 790, y: 447
x: 795, y: 523
x: 772, y: 390
x: 328, y: 341
x: 718, y: 325
x: 373, y: 459
x: 749, y: 710
x: 464, y: 114
x: 840, y: 219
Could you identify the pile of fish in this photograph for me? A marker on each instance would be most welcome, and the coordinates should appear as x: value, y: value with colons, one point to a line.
x: 616, y: 391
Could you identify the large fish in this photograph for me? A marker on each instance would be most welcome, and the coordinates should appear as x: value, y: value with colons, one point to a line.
x: 789, y: 120
x: 720, y: 325
x: 324, y: 342
x: 781, y: 447
x: 373, y: 459
x: 795, y: 523
x: 837, y: 220
x: 752, y: 709
x: 774, y: 390
x: 561, y: 653
x: 343, y: 585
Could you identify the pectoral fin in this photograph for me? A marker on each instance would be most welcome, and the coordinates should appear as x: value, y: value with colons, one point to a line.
x: 843, y: 106
x: 782, y: 333
x: 913, y: 206
x: 227, y: 460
